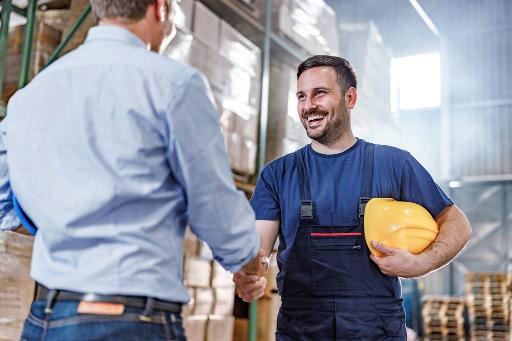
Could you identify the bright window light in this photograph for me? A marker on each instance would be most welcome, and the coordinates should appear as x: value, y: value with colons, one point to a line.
x: 416, y: 82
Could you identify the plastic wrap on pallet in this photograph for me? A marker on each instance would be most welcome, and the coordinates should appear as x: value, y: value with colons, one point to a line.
x: 220, y: 328
x: 224, y: 300
x: 203, y: 303
x: 195, y: 327
x: 16, y: 286
x: 309, y: 23
x: 183, y: 14
x: 197, y: 272
x: 206, y: 26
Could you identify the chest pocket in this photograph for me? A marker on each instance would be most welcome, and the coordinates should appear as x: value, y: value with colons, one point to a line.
x: 337, y: 261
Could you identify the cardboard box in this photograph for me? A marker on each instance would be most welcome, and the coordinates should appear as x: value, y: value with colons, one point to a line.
x: 197, y: 272
x: 220, y: 276
x: 46, y: 39
x: 195, y: 327
x: 241, y: 331
x: 188, y: 309
x: 224, y: 301
x: 268, y: 309
x: 184, y: 14
x: 220, y: 328
x: 206, y: 26
x: 190, y: 243
x: 203, y: 302
x: 16, y: 286
x: 271, y: 276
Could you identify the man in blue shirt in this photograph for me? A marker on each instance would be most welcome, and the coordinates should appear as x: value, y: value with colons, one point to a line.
x: 330, y: 285
x: 111, y: 151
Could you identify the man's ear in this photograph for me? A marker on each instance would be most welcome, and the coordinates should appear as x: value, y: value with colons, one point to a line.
x: 351, y: 97
x: 160, y: 10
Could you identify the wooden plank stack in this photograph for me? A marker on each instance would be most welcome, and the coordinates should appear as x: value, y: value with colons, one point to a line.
x: 443, y: 318
x: 488, y: 299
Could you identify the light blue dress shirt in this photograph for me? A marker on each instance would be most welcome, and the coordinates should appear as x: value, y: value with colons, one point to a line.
x: 111, y: 151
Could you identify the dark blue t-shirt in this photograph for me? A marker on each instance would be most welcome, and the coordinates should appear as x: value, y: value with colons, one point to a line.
x: 335, y: 182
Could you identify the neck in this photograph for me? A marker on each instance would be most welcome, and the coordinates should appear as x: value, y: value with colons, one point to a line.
x: 345, y: 141
x: 138, y: 28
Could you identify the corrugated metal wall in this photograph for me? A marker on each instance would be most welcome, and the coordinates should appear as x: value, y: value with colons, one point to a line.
x: 479, y: 87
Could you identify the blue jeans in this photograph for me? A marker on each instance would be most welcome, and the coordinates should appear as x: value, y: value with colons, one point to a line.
x: 65, y: 324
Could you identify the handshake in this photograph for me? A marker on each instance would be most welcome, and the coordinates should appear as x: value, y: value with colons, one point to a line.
x: 250, y: 279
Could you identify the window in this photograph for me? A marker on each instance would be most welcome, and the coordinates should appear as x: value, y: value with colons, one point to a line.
x: 416, y: 82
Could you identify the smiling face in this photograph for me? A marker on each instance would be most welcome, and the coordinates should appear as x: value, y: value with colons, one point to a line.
x: 322, y: 105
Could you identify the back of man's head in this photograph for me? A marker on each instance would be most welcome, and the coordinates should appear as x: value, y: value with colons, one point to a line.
x: 130, y: 10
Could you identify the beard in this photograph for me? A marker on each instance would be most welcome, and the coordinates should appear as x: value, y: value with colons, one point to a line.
x: 333, y: 129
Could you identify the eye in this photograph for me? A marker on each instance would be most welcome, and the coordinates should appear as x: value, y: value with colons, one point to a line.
x: 320, y: 92
x: 301, y: 97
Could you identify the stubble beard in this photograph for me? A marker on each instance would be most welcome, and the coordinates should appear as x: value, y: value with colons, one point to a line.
x: 334, y: 130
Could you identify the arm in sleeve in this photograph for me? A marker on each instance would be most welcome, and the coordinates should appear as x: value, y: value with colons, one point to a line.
x: 265, y: 200
x: 8, y: 218
x: 416, y: 185
x: 454, y: 227
x: 218, y: 213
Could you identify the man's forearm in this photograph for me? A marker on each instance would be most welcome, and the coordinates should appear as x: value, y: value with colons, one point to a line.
x: 454, y: 233
x: 268, y: 231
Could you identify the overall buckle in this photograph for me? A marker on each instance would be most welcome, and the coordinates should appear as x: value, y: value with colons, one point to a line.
x: 362, y: 205
x: 306, y: 209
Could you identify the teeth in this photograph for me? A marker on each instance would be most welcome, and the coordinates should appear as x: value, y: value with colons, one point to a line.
x: 314, y: 117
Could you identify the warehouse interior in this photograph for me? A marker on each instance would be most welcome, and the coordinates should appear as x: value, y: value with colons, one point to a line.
x: 434, y: 79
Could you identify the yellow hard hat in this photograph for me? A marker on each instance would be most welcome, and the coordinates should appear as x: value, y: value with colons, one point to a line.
x: 398, y: 224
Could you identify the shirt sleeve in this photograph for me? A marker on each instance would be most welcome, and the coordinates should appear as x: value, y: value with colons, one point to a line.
x: 417, y: 186
x: 218, y: 213
x: 8, y: 218
x: 265, y: 200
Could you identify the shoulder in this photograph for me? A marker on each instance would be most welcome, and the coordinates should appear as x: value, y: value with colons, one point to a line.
x: 387, y: 155
x: 284, y: 164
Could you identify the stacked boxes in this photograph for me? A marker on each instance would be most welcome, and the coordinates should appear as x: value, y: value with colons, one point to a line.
x: 46, y: 39
x: 65, y: 18
x: 488, y: 300
x: 232, y: 65
x: 443, y: 318
x: 285, y: 132
x: 311, y: 24
x: 269, y: 304
x: 362, y: 45
x: 16, y: 286
x: 209, y: 314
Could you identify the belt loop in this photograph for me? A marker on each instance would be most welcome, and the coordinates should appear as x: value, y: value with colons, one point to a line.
x: 50, y: 300
x: 148, y: 310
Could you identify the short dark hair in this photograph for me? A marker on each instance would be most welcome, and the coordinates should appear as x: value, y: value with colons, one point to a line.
x: 346, y: 74
x: 132, y: 10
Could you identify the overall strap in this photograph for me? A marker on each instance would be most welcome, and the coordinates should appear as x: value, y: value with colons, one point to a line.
x: 366, y: 185
x: 306, y: 204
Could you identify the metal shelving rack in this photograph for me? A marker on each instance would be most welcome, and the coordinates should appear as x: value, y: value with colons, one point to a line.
x: 270, y: 43
x: 261, y: 34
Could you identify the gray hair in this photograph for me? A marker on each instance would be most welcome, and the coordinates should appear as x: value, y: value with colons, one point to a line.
x: 132, y: 10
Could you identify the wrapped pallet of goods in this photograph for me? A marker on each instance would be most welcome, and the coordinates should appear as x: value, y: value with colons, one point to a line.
x: 16, y: 286
x: 209, y: 314
x: 285, y: 132
x: 311, y: 24
x: 46, y: 39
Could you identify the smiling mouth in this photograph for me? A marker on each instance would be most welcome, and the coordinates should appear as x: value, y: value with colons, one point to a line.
x: 315, y: 118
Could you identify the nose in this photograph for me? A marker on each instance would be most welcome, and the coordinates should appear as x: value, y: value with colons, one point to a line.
x: 308, y: 104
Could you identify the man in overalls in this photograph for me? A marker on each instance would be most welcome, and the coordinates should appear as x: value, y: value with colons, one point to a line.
x: 332, y: 288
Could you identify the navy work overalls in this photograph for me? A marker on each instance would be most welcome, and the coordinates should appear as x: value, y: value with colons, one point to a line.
x: 330, y: 288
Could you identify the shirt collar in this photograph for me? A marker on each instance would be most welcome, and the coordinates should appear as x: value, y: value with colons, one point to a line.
x: 111, y: 32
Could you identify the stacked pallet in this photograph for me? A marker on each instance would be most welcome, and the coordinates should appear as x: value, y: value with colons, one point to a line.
x: 209, y: 314
x: 488, y: 300
x: 443, y: 318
